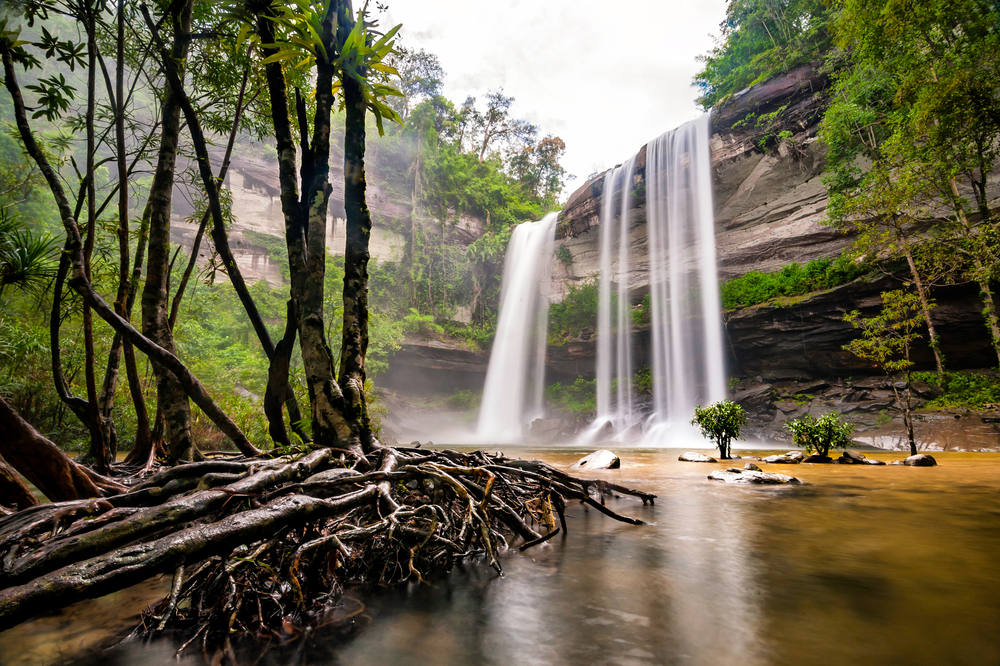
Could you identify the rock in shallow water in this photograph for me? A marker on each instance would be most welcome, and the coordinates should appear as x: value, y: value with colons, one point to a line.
x: 735, y: 475
x: 855, y: 458
x: 784, y: 459
x: 920, y: 460
x: 692, y: 456
x: 816, y: 458
x: 752, y: 467
x: 602, y: 459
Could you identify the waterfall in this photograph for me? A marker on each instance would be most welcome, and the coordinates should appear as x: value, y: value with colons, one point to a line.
x: 687, y: 363
x: 512, y: 397
x: 614, y: 339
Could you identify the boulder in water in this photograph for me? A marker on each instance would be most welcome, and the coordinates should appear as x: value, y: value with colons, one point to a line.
x: 692, y: 456
x: 816, y: 458
x: 920, y: 460
x: 602, y: 459
x: 752, y: 467
x: 736, y: 475
x: 783, y: 459
x: 855, y: 458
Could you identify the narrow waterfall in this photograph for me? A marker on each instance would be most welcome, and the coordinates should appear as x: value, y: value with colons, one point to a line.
x: 614, y: 357
x: 687, y: 362
x: 512, y: 397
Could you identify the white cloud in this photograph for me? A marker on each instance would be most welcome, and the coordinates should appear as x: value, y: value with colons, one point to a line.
x: 605, y: 82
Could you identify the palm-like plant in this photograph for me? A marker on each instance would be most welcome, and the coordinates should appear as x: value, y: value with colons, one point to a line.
x: 27, y: 260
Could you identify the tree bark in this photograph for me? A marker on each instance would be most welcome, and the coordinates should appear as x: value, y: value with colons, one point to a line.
x: 41, y: 462
x: 305, y: 234
x: 155, y: 295
x: 81, y: 284
x: 14, y: 494
x: 354, y: 345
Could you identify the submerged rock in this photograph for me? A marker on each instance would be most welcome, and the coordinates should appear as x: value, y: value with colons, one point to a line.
x: 784, y: 459
x: 920, y: 460
x: 602, y: 459
x: 692, y: 456
x: 736, y: 475
x: 752, y: 467
x: 816, y: 458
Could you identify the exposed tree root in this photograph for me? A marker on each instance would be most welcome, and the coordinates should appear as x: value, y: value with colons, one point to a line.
x: 265, y: 547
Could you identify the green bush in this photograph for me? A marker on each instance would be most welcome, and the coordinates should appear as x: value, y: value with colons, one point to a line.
x: 464, y: 400
x: 422, y: 324
x: 820, y: 435
x: 576, y: 313
x: 792, y: 280
x: 969, y: 389
x: 721, y: 422
x: 578, y: 398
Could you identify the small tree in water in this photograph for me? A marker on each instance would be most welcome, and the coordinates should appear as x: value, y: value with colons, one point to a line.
x: 885, y: 341
x: 820, y: 435
x: 721, y: 422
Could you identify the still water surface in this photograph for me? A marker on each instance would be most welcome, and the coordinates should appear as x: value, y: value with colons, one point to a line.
x: 860, y: 565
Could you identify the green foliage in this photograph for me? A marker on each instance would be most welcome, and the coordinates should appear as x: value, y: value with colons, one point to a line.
x: 793, y: 280
x: 564, y: 255
x: 578, y: 399
x: 820, y: 435
x: 464, y: 400
x: 720, y: 422
x: 886, y: 338
x: 761, y: 38
x: 421, y: 324
x: 643, y: 312
x: 971, y: 389
x: 575, y: 314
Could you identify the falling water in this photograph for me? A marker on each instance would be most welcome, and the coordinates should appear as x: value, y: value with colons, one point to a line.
x: 686, y: 334
x: 614, y: 341
x: 512, y: 397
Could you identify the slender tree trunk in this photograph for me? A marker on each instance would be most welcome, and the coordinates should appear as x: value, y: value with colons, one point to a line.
x: 354, y: 346
x: 146, y: 445
x: 80, y: 283
x: 171, y: 397
x: 305, y: 234
x: 14, y: 494
x: 925, y: 309
x: 990, y: 315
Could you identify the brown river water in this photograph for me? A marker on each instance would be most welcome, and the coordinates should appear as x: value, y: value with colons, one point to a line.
x: 859, y: 565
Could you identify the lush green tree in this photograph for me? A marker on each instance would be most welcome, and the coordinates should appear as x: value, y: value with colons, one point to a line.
x: 720, y: 422
x: 820, y: 435
x: 886, y: 340
x: 761, y: 38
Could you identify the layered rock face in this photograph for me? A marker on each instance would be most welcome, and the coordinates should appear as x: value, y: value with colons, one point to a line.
x: 770, y: 202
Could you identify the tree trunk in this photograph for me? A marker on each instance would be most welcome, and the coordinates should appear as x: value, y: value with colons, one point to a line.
x: 305, y: 234
x: 14, y: 494
x: 41, y: 462
x: 925, y: 309
x: 171, y: 397
x: 82, y: 286
x: 354, y: 346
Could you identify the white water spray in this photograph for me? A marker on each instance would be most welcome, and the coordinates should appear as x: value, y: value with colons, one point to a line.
x: 512, y: 397
x: 686, y: 330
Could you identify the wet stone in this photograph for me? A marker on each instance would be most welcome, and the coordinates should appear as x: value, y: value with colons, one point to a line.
x: 735, y: 475
x: 816, y: 458
x: 920, y: 460
x: 602, y: 459
x: 783, y: 459
x: 692, y: 456
x: 752, y: 467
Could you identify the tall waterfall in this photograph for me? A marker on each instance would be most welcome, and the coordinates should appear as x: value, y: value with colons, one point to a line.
x: 512, y: 397
x: 687, y: 362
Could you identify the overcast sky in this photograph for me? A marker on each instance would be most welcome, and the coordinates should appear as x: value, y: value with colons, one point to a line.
x: 606, y: 77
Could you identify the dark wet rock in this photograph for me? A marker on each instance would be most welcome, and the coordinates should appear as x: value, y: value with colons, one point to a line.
x: 692, y: 456
x: 920, y: 460
x: 602, y: 459
x: 415, y: 443
x: 852, y: 458
x: 736, y: 475
x: 331, y: 475
x: 784, y: 459
x: 757, y: 400
x: 816, y: 458
x: 752, y: 467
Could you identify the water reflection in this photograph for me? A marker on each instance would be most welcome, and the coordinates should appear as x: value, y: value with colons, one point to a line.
x: 861, y: 565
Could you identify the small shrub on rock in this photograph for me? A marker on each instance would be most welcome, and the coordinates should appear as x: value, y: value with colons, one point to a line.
x: 820, y: 435
x: 721, y: 422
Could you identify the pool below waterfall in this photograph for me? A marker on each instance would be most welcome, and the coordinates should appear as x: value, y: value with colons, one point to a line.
x: 859, y: 565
